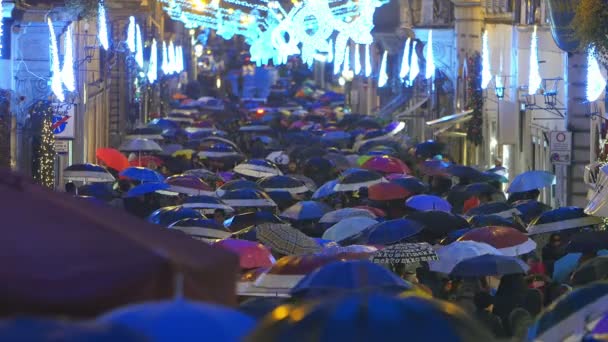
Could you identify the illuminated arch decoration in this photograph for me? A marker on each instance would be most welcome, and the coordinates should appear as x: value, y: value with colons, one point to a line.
x: 596, y: 83
x: 534, y: 79
x: 486, y: 73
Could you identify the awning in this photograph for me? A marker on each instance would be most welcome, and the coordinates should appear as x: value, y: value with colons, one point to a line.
x: 446, y: 122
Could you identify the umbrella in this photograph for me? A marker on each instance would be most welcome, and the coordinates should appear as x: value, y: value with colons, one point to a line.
x: 142, y: 174
x: 599, y: 332
x: 370, y: 317
x: 237, y: 184
x: 201, y: 229
x: 169, y: 149
x: 428, y: 202
x: 205, y: 202
x: 182, y: 320
x: 189, y: 185
x: 283, y: 199
x: 590, y: 271
x: 531, y: 180
x: 493, y: 220
x: 480, y: 188
x: 278, y: 157
x: 500, y: 209
x: 344, y: 213
x: 45, y: 329
x: 101, y: 191
x: 386, y: 164
x: 168, y: 215
x: 458, y: 251
x: 206, y: 175
x: 257, y: 168
x: 140, y: 145
x: 341, y: 277
x: 434, y: 168
x: 338, y: 160
x: 87, y: 173
x: 246, y: 220
x: 215, y: 139
x: 247, y: 198
x: 283, y: 183
x: 357, y: 180
x: 147, y: 161
x: 148, y: 188
x: 388, y: 192
x: 185, y: 153
x: 530, y: 209
x: 465, y: 172
x: 570, y: 315
x: 429, y: 149
x: 411, y: 184
x: 150, y: 132
x: 306, y: 210
x: 390, y: 232
x: 255, y: 128
x: 376, y: 211
x: 561, y: 219
x: 453, y: 236
x: 348, y: 227
x: 489, y: 265
x: 336, y: 136
x: 318, y: 166
x: 405, y: 254
x: 251, y: 254
x: 588, y: 242
x: 286, y: 240
x: 509, y: 241
x: 289, y: 270
x: 218, y: 150
x: 437, y: 224
x: 112, y: 158
x: 325, y: 190
x: 310, y: 184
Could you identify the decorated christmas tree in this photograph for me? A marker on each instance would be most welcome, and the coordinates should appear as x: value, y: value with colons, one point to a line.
x: 475, y: 99
x: 44, y: 173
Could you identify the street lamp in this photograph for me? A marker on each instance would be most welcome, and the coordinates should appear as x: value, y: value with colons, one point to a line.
x: 499, y: 88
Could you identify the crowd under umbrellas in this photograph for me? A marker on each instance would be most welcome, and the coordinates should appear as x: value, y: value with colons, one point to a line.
x: 316, y: 221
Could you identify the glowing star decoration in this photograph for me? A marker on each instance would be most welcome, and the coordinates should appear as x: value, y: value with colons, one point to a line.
x: 414, y: 66
x: 131, y: 34
x: 67, y: 72
x: 405, y: 66
x: 152, y: 73
x: 486, y: 74
x: 430, y: 57
x: 346, y: 64
x: 357, y: 60
x: 139, y: 47
x: 382, y: 75
x: 56, y: 86
x: 368, y: 61
x: 102, y: 26
x: 534, y: 79
x: 165, y: 64
x: 596, y: 83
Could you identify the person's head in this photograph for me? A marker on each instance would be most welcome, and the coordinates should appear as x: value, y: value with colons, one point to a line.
x: 124, y: 186
x: 70, y: 188
x: 292, y: 167
x: 555, y: 240
x: 219, y: 215
x: 483, y: 301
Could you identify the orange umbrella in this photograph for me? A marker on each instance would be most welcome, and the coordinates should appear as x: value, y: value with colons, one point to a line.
x: 112, y: 158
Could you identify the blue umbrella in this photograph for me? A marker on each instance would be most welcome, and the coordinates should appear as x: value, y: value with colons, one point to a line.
x: 531, y: 180
x: 336, y: 136
x: 530, y: 209
x: 370, y: 317
x: 202, y: 229
x: 180, y: 320
x: 429, y: 149
x: 564, y: 266
x: 205, y: 202
x: 390, y: 232
x: 588, y: 242
x: 411, y: 184
x: 167, y: 215
x: 45, y: 329
x: 246, y: 220
x: 283, y: 183
x: 489, y: 265
x: 147, y: 188
x: 237, y: 184
x: 325, y: 190
x: 570, y: 314
x: 346, y: 276
x: 164, y: 124
x: 142, y: 174
x: 561, y: 219
x: 428, y: 202
x: 454, y: 235
x: 355, y: 180
x: 247, y: 198
x: 218, y: 150
x: 465, y: 172
x: 306, y: 210
x: 501, y: 209
x: 101, y: 191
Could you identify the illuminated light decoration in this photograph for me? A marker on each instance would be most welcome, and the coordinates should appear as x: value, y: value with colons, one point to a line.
x: 152, y: 73
x: 102, y: 26
x: 1, y: 17
x: 596, y: 83
x: 486, y: 74
x: 382, y: 75
x: 357, y: 60
x: 414, y: 66
x: 179, y: 59
x: 139, y: 47
x: 171, y: 57
x: 368, y: 61
x: 339, y: 50
x: 534, y: 79
x: 346, y: 63
x: 165, y: 64
x: 67, y: 72
x: 330, y: 52
x: 405, y: 66
x: 56, y: 85
x: 430, y: 57
x: 131, y: 34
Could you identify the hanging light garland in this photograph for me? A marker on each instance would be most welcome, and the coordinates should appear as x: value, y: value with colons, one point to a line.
x: 368, y: 61
x: 67, y: 72
x: 179, y: 59
x: 131, y: 34
x: 405, y: 66
x: 346, y: 64
x: 330, y: 52
x: 534, y: 79
x: 102, y: 26
x: 153, y: 63
x: 1, y: 32
x: 171, y: 58
x: 596, y: 83
x: 139, y: 47
x: 56, y: 86
x: 357, y: 60
x: 486, y: 73
x: 382, y: 75
x: 165, y: 64
x: 414, y: 66
x: 430, y: 57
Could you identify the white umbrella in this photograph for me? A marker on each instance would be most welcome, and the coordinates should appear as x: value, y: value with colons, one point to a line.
x: 458, y: 251
x: 140, y: 145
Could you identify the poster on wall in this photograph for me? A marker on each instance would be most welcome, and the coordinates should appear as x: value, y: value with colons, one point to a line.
x: 63, y: 121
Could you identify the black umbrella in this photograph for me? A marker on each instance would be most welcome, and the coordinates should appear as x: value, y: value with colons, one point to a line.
x: 590, y: 271
x: 429, y: 149
x: 357, y: 179
x: 588, y: 242
x: 438, y: 224
x: 493, y: 220
x: 489, y: 265
x: 465, y: 172
x: 562, y: 219
x: 501, y: 209
x: 411, y: 184
x: 481, y: 188
x: 237, y: 184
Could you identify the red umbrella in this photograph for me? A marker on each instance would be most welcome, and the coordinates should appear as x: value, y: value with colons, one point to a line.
x: 509, y: 241
x: 387, y: 192
x: 376, y: 211
x: 251, y: 254
x: 151, y: 162
x: 112, y: 158
x: 386, y: 164
x: 189, y: 185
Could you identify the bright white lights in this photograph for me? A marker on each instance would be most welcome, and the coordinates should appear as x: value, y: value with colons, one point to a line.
x: 165, y: 64
x: 486, y: 73
x: 131, y: 34
x: 139, y: 47
x: 430, y: 57
x: 67, y: 72
x: 1, y: 14
x: 179, y: 56
x: 405, y: 66
x: 596, y: 83
x: 357, y: 60
x: 56, y: 86
x: 368, y: 62
x: 153, y: 63
x: 171, y: 57
x: 534, y: 79
x: 330, y: 52
x: 382, y: 75
x: 414, y: 66
x: 102, y: 26
x: 346, y: 64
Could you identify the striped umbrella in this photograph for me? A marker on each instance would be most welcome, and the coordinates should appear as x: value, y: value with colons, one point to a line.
x: 202, y: 229
x: 247, y: 198
x: 87, y: 173
x: 283, y: 183
x: 257, y: 168
x: 358, y: 179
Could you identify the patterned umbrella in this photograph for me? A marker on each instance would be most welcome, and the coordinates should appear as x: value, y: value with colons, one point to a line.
x: 87, y: 173
x: 452, y: 254
x: 386, y: 164
x: 428, y: 202
x: 390, y: 232
x: 247, y: 198
x: 168, y: 215
x: 201, y: 229
x: 142, y: 174
x: 283, y: 183
x: 286, y: 240
x: 189, y: 185
x: 405, y: 254
x: 358, y: 179
x: 257, y: 168
x: 561, y: 219
x: 388, y: 192
x: 508, y: 241
x: 306, y: 210
x: 251, y: 254
x: 489, y: 265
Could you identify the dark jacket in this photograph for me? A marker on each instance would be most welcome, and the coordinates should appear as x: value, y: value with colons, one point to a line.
x: 491, y: 322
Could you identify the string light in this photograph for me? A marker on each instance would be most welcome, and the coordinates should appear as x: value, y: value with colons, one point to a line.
x: 430, y: 57
x: 56, y: 86
x: 346, y: 67
x: 131, y: 34
x: 139, y: 47
x: 165, y: 64
x: 67, y: 72
x: 102, y: 26
x: 486, y: 74
x: 171, y: 58
x: 596, y: 83
x: 534, y: 79
x: 405, y: 67
x: 382, y: 75
x: 368, y: 61
x: 1, y: 32
x: 153, y: 63
x: 330, y: 52
x: 357, y: 60
x: 414, y: 66
x: 45, y: 175
x: 180, y: 59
